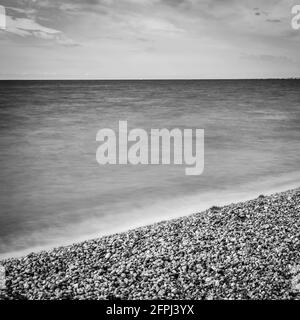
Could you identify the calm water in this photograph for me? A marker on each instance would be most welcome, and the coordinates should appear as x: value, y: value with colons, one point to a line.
x: 54, y: 192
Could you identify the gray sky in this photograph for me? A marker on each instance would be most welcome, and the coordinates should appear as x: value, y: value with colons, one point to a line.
x: 48, y: 39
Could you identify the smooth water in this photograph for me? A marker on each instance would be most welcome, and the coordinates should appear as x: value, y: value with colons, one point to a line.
x: 54, y: 192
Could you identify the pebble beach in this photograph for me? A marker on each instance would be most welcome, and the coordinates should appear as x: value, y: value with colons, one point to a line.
x: 247, y: 250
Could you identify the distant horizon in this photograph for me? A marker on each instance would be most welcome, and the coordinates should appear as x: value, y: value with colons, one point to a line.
x: 153, y: 79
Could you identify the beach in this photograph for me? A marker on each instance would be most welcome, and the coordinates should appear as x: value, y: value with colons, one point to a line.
x: 246, y: 250
x: 54, y: 192
x: 149, y: 151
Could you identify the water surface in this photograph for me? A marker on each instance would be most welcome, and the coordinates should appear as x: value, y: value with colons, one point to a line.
x: 54, y: 192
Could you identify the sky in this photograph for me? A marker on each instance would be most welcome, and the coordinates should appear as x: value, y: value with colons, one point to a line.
x: 149, y: 39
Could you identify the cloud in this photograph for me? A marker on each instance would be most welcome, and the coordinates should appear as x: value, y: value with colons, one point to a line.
x: 38, y: 19
x: 273, y: 20
x: 259, y: 12
x: 267, y: 58
x: 25, y: 27
x: 174, y: 3
x: 150, y: 25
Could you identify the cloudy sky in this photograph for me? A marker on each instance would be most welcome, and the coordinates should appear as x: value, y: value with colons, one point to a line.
x: 148, y: 39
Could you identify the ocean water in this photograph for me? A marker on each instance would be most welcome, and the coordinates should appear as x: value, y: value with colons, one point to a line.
x: 53, y: 192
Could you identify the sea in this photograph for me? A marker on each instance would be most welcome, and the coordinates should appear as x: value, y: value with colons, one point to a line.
x: 54, y: 192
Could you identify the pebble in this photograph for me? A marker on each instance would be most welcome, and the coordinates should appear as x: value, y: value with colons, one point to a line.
x: 247, y: 250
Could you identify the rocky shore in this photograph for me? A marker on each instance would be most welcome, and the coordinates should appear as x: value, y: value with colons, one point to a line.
x: 248, y: 250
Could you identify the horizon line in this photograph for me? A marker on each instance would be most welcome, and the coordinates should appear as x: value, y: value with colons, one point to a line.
x: 148, y: 79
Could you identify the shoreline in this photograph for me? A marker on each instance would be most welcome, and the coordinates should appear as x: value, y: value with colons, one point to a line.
x: 176, y: 209
x: 246, y: 250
